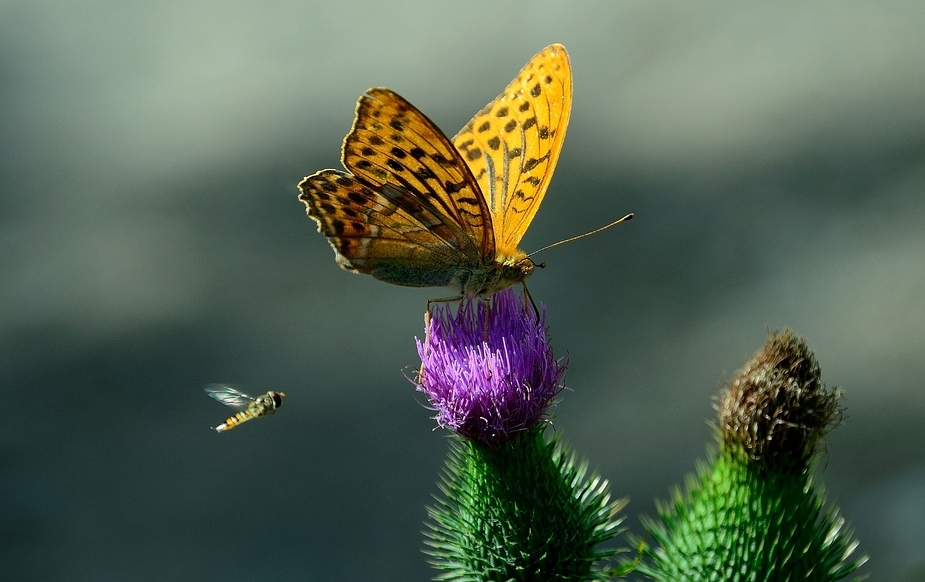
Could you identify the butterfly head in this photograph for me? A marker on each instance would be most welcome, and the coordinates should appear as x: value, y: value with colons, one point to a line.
x: 514, y: 270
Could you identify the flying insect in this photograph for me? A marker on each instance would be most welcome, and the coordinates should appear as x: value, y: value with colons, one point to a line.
x: 249, y: 407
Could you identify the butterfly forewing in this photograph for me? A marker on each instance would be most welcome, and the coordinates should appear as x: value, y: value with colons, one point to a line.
x: 228, y: 395
x: 512, y: 145
x: 393, y: 143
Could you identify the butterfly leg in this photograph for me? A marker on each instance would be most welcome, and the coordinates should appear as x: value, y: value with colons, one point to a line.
x: 530, y: 297
x: 437, y: 300
x: 444, y: 300
x: 427, y: 323
x: 487, y: 315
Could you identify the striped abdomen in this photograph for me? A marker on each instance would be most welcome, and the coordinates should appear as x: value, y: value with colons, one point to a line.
x: 237, y: 419
x: 261, y: 406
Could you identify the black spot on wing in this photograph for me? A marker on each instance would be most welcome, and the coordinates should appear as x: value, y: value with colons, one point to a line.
x: 453, y: 188
x: 534, y: 162
x: 442, y: 161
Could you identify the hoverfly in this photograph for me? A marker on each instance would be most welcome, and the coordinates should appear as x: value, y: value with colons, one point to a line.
x: 249, y: 406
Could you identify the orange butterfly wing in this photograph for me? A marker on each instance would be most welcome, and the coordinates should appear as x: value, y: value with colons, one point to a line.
x: 513, y: 144
x: 410, y: 211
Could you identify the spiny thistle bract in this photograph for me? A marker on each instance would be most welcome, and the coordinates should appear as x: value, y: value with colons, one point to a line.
x: 754, y: 513
x: 523, y: 511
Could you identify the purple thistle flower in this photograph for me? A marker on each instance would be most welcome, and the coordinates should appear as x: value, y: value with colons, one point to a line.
x: 488, y: 389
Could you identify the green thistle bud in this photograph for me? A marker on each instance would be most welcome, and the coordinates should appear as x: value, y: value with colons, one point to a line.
x: 754, y: 513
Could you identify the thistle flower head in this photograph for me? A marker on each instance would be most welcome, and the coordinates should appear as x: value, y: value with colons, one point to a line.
x: 488, y: 370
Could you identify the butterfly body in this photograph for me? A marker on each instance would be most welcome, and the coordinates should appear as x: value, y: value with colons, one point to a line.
x: 500, y: 273
x: 417, y: 209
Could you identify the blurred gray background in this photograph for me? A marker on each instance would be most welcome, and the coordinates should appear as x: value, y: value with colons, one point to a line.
x: 152, y: 243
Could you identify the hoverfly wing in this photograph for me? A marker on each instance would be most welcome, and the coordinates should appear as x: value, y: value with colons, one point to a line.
x: 229, y: 396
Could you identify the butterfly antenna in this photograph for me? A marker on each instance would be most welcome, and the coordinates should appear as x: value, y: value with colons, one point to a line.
x: 595, y: 231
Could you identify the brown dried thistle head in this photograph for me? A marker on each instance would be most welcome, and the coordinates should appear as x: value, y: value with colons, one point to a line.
x: 776, y: 406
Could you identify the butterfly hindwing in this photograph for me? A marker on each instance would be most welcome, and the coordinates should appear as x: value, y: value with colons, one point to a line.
x: 513, y: 144
x: 373, y: 231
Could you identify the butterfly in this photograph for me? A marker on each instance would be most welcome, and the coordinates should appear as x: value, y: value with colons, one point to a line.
x: 415, y: 208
